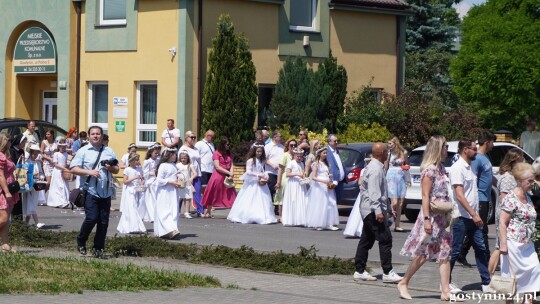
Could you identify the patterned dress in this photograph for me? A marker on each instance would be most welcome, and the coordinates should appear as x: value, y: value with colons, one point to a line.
x: 395, y: 177
x: 505, y: 184
x: 439, y: 244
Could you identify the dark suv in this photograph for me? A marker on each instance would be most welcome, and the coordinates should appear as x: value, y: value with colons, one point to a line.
x: 14, y: 126
x: 353, y: 156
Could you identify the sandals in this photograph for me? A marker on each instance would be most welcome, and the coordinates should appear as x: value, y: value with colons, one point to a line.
x: 8, y: 249
x: 206, y: 215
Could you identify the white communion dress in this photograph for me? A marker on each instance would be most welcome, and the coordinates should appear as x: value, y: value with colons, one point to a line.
x: 166, y: 213
x: 322, y: 209
x: 131, y: 221
x: 295, y: 198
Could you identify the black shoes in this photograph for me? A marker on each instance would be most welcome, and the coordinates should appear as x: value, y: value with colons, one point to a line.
x: 99, y: 254
x: 463, y: 261
x: 81, y: 250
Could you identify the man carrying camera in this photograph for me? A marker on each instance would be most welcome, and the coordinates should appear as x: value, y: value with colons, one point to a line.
x: 97, y: 162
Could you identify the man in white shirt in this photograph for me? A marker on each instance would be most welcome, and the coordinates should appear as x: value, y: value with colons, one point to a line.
x: 170, y: 137
x: 30, y: 134
x: 469, y: 223
x: 530, y: 140
x: 274, y: 152
x: 206, y: 150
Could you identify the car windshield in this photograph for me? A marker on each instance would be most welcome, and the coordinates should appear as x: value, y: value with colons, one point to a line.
x: 350, y: 158
x: 415, y: 158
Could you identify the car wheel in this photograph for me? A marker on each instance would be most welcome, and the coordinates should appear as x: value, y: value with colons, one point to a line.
x: 411, y: 214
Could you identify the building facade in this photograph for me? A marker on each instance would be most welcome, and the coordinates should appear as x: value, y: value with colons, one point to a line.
x: 129, y: 65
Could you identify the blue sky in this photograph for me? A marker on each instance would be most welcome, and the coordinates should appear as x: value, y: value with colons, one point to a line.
x: 464, y: 6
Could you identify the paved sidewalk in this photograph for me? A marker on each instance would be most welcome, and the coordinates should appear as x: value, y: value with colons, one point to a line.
x: 244, y: 286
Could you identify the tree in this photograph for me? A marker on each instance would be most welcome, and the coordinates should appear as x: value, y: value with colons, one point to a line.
x: 336, y: 77
x: 230, y: 91
x: 301, y: 98
x: 497, y: 69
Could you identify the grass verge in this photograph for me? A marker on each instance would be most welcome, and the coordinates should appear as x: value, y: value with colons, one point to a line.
x: 305, y: 262
x: 31, y: 274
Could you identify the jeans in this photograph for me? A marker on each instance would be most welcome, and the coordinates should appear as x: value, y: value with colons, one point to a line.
x: 97, y: 212
x: 466, y: 227
x: 483, y: 212
x: 197, y: 196
x: 371, y: 232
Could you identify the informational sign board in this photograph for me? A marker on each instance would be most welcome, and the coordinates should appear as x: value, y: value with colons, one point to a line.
x: 120, y: 112
x: 35, y: 52
x: 120, y: 101
x: 120, y: 126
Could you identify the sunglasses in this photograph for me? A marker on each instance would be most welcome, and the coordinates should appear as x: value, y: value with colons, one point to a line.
x: 192, y: 137
x: 301, y: 134
x: 292, y: 145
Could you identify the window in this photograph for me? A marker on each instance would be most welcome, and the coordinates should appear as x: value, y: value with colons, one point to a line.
x: 112, y: 12
x: 146, y: 113
x: 98, y: 105
x: 303, y: 15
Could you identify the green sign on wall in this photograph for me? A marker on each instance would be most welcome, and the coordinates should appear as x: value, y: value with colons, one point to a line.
x: 35, y: 52
x: 120, y: 126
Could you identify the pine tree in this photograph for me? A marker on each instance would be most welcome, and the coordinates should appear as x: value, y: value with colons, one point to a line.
x: 230, y: 91
x: 336, y: 77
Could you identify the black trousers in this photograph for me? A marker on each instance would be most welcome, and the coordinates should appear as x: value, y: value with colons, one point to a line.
x: 371, y: 232
x: 97, y: 212
x: 272, y: 181
x: 483, y: 212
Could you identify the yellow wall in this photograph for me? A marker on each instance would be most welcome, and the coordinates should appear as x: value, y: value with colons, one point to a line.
x: 156, y: 34
x: 365, y: 44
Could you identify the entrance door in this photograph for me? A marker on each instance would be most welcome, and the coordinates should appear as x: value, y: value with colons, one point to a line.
x: 49, y: 107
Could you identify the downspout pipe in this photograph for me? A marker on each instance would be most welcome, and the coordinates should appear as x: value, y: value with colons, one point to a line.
x: 199, y: 66
x: 78, y: 64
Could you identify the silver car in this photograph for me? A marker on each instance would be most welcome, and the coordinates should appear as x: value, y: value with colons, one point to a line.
x: 413, y: 197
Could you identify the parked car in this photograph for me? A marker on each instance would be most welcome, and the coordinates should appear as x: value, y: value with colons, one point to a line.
x: 413, y: 197
x: 14, y: 126
x: 353, y: 155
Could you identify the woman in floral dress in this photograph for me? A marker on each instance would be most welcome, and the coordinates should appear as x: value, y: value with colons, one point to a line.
x: 429, y: 239
x: 516, y: 228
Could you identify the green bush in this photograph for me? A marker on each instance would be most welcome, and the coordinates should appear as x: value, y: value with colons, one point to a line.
x: 365, y: 133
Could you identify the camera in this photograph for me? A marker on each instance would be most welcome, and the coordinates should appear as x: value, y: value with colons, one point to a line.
x: 111, y: 162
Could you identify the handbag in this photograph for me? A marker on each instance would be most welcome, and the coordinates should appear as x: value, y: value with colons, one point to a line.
x: 14, y: 187
x: 504, y: 285
x: 77, y: 196
x: 440, y: 205
x: 181, y: 181
x: 228, y: 182
x: 24, y: 175
x: 40, y: 185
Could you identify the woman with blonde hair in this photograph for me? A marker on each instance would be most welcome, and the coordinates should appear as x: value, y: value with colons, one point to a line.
x: 288, y: 156
x: 428, y: 238
x: 396, y: 177
x: 314, y: 145
x: 7, y: 200
x: 516, y: 228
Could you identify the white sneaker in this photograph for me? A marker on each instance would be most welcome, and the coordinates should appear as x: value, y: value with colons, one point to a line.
x: 365, y: 276
x: 454, y: 289
x: 187, y: 215
x: 319, y: 229
x: 333, y: 228
x: 391, y: 277
x: 487, y: 289
x: 39, y: 225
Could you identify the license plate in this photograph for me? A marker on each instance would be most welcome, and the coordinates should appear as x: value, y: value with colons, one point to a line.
x: 416, y: 178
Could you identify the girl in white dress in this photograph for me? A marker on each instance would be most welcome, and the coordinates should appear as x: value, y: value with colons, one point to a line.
x: 48, y: 147
x: 253, y: 204
x: 186, y: 173
x: 166, y: 216
x: 149, y: 171
x: 30, y: 198
x: 355, y: 222
x: 131, y: 221
x: 58, y: 191
x: 295, y: 198
x: 322, y: 212
x: 124, y: 164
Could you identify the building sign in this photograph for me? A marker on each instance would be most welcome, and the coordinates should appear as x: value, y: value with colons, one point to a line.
x: 120, y: 101
x: 35, y: 52
x: 120, y: 126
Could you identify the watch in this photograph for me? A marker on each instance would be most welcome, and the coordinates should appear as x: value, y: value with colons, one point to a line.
x: 426, y: 218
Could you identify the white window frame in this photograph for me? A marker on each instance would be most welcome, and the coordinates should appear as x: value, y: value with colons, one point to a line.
x: 103, y: 21
x: 104, y: 126
x: 140, y: 126
x: 313, y: 27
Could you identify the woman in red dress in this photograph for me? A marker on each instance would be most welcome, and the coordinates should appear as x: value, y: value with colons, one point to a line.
x: 216, y: 193
x: 7, y: 200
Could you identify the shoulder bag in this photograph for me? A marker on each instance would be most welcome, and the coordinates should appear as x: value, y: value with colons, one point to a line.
x: 77, y: 196
x: 504, y: 285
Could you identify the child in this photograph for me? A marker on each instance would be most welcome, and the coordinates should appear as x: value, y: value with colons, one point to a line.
x: 295, y: 198
x: 149, y: 171
x: 166, y: 216
x: 30, y: 198
x: 187, y: 173
x: 124, y: 160
x: 322, y: 212
x: 355, y: 222
x: 254, y: 203
x: 59, y: 191
x: 130, y: 221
